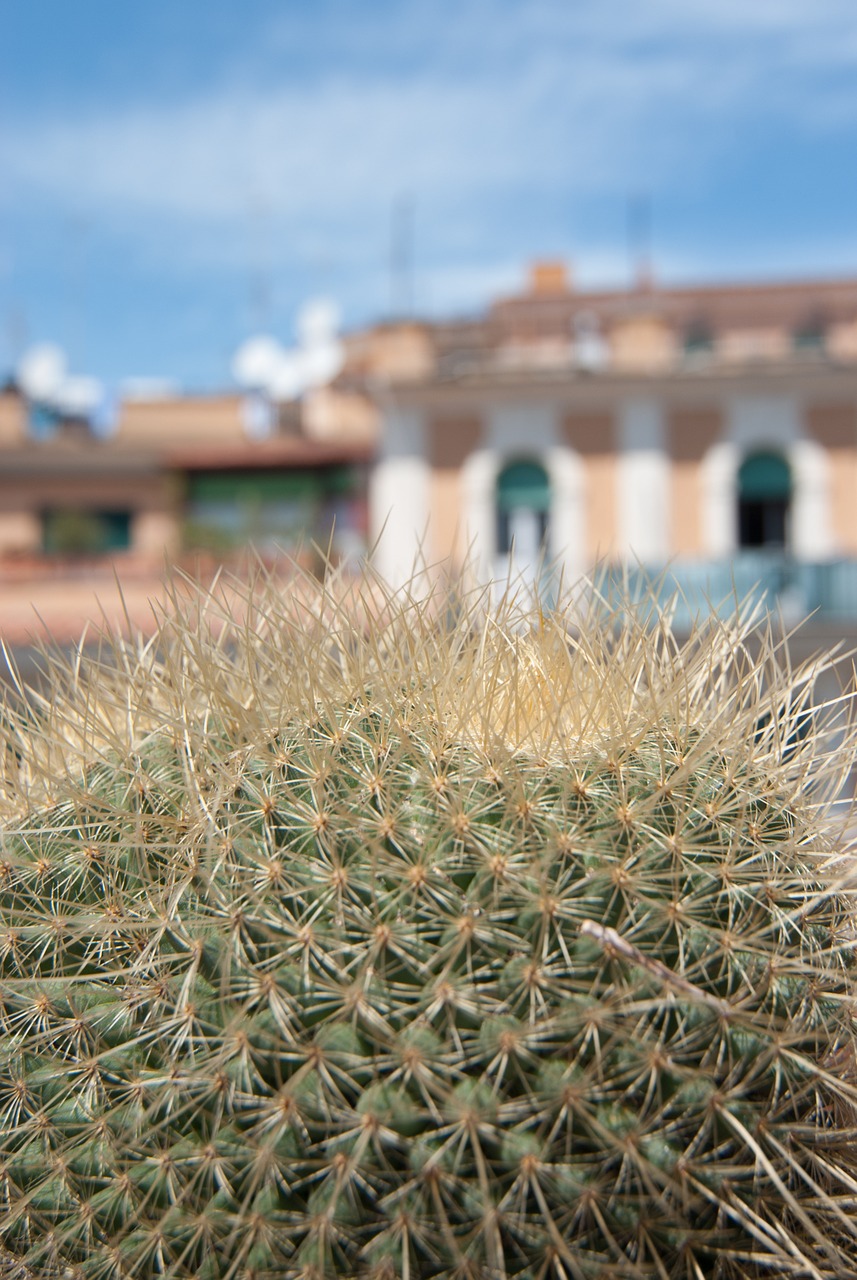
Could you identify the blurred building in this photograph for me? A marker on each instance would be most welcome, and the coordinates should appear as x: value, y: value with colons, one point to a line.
x: 181, y: 473
x: 713, y: 429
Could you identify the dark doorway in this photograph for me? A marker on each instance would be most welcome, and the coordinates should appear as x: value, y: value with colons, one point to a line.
x: 764, y: 501
x: 523, y: 506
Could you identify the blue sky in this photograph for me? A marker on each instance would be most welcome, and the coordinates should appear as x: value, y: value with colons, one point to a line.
x: 176, y: 174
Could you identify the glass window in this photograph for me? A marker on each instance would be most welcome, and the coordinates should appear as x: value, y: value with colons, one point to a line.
x: 272, y: 509
x: 77, y: 532
x: 810, y: 338
x: 698, y: 339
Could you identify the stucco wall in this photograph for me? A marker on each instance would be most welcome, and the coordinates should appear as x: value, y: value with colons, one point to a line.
x: 19, y: 531
x: 643, y: 482
x: 593, y: 435
x: 13, y: 419
x: 643, y: 343
x: 156, y: 532
x: 451, y: 440
x: 400, y: 495
x: 649, y: 476
x: 834, y: 428
x: 182, y: 421
x: 691, y: 432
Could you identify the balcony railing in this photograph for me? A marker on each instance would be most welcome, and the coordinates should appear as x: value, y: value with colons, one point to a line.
x: 827, y: 590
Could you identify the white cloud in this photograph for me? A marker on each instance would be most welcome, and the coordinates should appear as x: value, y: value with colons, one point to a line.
x: 545, y: 75
x: 337, y: 145
x: 473, y: 110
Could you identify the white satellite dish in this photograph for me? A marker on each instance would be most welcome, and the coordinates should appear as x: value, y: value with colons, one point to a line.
x: 318, y: 322
x: 261, y: 364
x: 322, y: 362
x: 256, y: 361
x: 289, y: 378
x: 324, y: 354
x: 41, y: 372
x: 78, y: 396
x: 258, y: 416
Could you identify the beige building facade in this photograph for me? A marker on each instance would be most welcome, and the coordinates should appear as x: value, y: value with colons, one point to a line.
x: 657, y: 427
x: 691, y: 428
x: 181, y: 473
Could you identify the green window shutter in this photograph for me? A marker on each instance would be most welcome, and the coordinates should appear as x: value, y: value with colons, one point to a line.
x: 523, y: 484
x: 254, y: 487
x: 764, y: 477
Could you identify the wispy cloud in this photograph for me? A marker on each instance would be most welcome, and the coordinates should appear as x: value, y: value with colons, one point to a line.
x: 502, y: 95
x: 482, y: 111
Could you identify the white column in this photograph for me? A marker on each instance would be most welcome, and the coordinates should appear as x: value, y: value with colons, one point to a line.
x: 399, y: 496
x: 644, y: 482
x: 478, y: 489
x: 812, y: 529
x: 719, y: 500
x: 567, y: 548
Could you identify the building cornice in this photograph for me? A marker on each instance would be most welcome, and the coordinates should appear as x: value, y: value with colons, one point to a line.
x: 823, y: 379
x: 274, y: 453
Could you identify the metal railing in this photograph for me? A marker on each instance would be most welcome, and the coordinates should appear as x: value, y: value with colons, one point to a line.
x: 827, y: 590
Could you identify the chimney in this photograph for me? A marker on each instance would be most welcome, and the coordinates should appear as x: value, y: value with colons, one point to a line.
x: 549, y: 277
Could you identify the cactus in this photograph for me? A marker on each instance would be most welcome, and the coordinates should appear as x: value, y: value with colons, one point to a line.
x: 348, y: 934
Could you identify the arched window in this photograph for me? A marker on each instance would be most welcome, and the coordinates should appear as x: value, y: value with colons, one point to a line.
x: 764, y: 499
x: 523, y: 506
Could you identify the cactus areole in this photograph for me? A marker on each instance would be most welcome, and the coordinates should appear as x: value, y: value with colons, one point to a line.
x: 345, y: 933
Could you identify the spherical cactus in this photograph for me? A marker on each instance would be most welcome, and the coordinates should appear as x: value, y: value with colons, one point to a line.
x: 355, y: 935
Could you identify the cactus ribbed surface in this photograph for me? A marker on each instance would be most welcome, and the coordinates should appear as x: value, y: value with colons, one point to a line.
x: 363, y: 936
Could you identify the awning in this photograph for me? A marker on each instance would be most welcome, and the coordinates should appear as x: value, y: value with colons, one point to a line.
x: 523, y: 484
x: 765, y: 476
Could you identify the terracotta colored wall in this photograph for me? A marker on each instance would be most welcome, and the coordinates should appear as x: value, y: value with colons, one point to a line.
x: 842, y: 340
x: 450, y: 442
x: 104, y: 492
x: 19, y: 531
x: 23, y: 498
x: 155, y: 531
x: 13, y: 419
x: 329, y: 414
x: 189, y: 420
x: 741, y: 345
x: 691, y: 433
x: 395, y: 352
x: 593, y: 436
x: 642, y: 342
x: 834, y: 427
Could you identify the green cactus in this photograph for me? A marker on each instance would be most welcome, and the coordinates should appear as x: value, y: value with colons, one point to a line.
x: 347, y: 934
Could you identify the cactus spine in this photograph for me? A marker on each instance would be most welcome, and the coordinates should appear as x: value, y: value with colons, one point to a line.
x: 351, y: 935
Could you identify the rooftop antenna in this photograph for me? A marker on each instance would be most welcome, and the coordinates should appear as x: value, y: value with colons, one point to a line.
x: 17, y: 334
x: 640, y: 240
x: 78, y: 229
x: 260, y: 288
x: 322, y: 264
x: 402, y: 257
